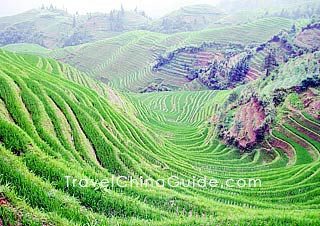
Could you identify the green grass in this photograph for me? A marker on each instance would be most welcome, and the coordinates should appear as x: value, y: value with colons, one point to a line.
x: 295, y: 101
x: 27, y: 48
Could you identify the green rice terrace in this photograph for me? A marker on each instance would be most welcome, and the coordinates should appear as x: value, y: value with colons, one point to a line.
x: 215, y: 125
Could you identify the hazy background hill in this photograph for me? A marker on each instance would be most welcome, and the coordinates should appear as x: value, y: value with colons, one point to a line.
x: 189, y: 18
x: 251, y: 5
x: 55, y: 28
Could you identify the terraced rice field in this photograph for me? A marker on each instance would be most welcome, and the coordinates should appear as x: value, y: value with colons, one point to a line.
x: 51, y: 127
x: 125, y: 61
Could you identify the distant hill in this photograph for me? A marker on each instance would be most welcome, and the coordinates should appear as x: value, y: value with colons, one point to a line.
x: 288, y: 8
x: 55, y: 28
x: 189, y: 18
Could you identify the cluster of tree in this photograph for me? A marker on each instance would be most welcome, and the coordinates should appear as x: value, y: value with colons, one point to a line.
x: 299, y: 12
x: 155, y: 87
x: 218, y: 77
x: 270, y: 62
x: 239, y: 71
x: 77, y: 38
x: 214, y: 76
x: 313, y: 24
x: 169, y: 26
x: 52, y: 8
x: 23, y: 32
x: 116, y: 19
x: 313, y: 81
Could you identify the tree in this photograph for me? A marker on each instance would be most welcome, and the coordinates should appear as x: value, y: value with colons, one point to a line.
x: 111, y: 15
x: 284, y: 13
x: 111, y: 19
x: 233, y: 97
x: 270, y: 62
x: 239, y: 71
x: 293, y: 29
x: 297, y: 13
x: 122, y: 10
x: 238, y: 126
x: 74, y: 23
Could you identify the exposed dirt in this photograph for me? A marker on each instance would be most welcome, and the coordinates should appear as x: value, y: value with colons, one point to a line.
x: 247, y: 121
x: 305, y: 131
x: 308, y: 38
x: 114, y: 98
x: 3, y: 201
x: 274, y: 142
x: 308, y: 123
x: 311, y: 102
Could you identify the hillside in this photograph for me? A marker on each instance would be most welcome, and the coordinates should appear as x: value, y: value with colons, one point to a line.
x: 55, y: 28
x: 126, y: 61
x: 224, y: 66
x: 27, y: 48
x: 51, y: 127
x: 189, y: 18
x: 209, y: 115
x: 287, y: 8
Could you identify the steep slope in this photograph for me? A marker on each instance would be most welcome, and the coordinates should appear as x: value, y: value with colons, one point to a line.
x: 51, y: 128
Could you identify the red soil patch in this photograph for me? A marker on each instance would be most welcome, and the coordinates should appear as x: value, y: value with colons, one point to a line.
x: 246, y: 123
x: 309, y: 37
x: 296, y: 139
x: 311, y: 102
x: 308, y: 123
x: 3, y: 201
x: 252, y: 74
x: 214, y: 119
x: 282, y: 145
x: 310, y: 134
